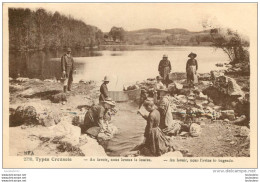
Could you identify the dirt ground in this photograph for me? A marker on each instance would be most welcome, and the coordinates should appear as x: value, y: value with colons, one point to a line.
x: 218, y: 139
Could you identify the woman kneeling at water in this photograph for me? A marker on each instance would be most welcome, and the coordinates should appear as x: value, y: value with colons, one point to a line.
x: 155, y: 140
x: 96, y: 115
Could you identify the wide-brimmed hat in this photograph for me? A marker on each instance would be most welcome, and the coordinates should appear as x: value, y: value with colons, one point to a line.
x: 165, y: 56
x: 106, y: 79
x: 159, y: 78
x: 192, y: 54
x: 68, y: 49
x: 110, y: 101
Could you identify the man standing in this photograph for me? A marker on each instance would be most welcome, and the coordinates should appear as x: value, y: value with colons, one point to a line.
x: 67, y: 66
x: 164, y: 69
x: 104, y: 90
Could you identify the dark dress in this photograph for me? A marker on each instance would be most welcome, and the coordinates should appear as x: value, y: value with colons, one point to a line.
x: 155, y: 141
x: 164, y: 69
x: 103, y: 92
x: 93, y: 117
x: 191, y: 69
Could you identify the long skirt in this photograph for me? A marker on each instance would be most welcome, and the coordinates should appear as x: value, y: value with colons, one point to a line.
x: 156, y: 142
x: 192, y: 75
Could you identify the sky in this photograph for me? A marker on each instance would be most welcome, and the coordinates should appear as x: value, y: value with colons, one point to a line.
x: 134, y: 16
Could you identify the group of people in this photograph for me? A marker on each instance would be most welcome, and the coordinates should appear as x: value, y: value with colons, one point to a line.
x: 165, y: 68
x: 159, y: 120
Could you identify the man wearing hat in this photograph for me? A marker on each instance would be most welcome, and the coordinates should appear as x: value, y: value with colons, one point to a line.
x: 191, y: 69
x: 96, y: 115
x: 104, y: 90
x: 67, y: 68
x: 164, y: 69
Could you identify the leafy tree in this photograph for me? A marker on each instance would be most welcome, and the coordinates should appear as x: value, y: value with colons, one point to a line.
x: 38, y: 30
x: 231, y: 43
x: 117, y: 33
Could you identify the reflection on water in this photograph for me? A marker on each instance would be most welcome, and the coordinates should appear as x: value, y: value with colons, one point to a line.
x: 123, y: 67
x: 40, y: 64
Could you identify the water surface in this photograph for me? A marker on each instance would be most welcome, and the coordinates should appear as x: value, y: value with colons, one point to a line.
x: 122, y: 66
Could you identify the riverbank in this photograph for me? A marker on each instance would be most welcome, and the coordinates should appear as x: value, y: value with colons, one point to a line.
x: 52, y: 132
x: 55, y: 130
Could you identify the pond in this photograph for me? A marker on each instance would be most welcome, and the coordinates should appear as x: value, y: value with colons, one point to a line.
x: 127, y: 66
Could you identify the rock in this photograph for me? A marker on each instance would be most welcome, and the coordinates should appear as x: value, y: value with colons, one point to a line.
x: 36, y: 80
x: 191, y: 98
x: 82, y: 81
x: 93, y: 131
x: 130, y: 153
x: 189, y: 155
x: 227, y: 86
x: 228, y: 114
x: 204, y: 103
x: 178, y: 85
x: 92, y: 148
x: 67, y: 133
x: 226, y: 121
x: 205, y: 83
x: 184, y: 134
x: 182, y: 98
x: 199, y: 106
x: 202, y: 124
x: 215, y: 74
x: 219, y: 65
x: 233, y: 88
x: 219, y: 137
x: 24, y: 115
x: 57, y: 98
x: 211, y: 104
x: 15, y: 87
x: 244, y: 131
x: 241, y: 120
x: 204, y: 77
x: 177, y: 76
x: 172, y: 154
x: 50, y: 80
x: 217, y: 108
x: 48, y: 119
x: 195, y: 130
x: 78, y: 120
x: 22, y: 79
x: 174, y: 87
x: 232, y: 143
x: 209, y: 112
x: 201, y: 96
x: 27, y: 92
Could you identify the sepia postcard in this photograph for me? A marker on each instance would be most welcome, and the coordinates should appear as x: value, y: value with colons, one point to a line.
x: 130, y: 85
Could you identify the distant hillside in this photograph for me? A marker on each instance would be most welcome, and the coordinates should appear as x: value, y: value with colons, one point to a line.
x: 175, y: 36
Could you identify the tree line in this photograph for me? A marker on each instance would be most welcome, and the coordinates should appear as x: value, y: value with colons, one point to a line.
x: 42, y: 30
